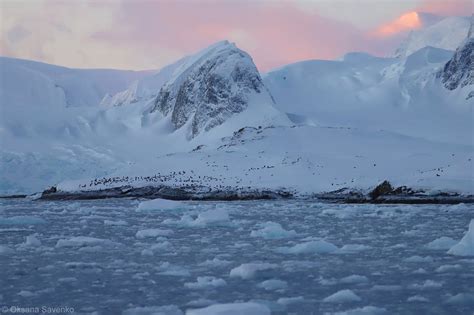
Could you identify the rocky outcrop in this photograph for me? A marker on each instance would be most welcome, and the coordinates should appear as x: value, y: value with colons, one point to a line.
x: 210, y: 88
x: 459, y: 71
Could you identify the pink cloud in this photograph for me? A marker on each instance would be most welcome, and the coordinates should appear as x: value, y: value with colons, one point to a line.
x: 274, y: 34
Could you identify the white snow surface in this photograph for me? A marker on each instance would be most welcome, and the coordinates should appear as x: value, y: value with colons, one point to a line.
x: 332, y: 124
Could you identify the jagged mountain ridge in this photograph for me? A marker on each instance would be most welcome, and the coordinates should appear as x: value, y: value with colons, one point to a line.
x: 213, y: 86
x: 459, y: 70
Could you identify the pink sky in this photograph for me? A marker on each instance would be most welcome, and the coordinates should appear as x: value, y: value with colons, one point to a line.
x: 148, y: 34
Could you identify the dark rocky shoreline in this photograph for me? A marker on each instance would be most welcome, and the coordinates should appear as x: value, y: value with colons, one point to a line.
x: 383, y: 193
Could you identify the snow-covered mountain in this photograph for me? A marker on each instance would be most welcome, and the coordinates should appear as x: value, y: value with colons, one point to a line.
x: 362, y: 91
x: 213, y: 86
x: 445, y: 33
x: 459, y: 70
x: 211, y: 120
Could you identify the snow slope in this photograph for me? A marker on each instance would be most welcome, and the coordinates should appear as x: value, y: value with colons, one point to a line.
x: 362, y: 91
x: 310, y: 127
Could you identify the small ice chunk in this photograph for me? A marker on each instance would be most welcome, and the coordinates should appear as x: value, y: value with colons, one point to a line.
x: 159, y: 204
x: 32, y: 241
x: 215, y: 262
x: 212, y: 216
x: 461, y: 299
x: 319, y: 247
x: 354, y: 279
x: 428, y: 284
x: 21, y: 220
x: 417, y: 298
x: 352, y: 248
x: 273, y: 284
x: 419, y: 259
x: 442, y: 243
x: 26, y: 293
x: 153, y: 310
x: 343, y: 296
x: 366, y: 310
x: 153, y: 233
x: 448, y: 268
x: 206, y: 282
x: 5, y: 250
x: 248, y: 271
x: 272, y: 230
x: 290, y: 300
x: 247, y: 308
x: 81, y: 241
x: 115, y: 223
x: 465, y: 247
x: 168, y: 269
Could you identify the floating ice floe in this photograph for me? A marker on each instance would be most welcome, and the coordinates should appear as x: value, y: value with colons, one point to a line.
x: 153, y: 310
x: 81, y: 241
x: 159, y: 204
x: 5, y: 250
x: 290, y: 300
x: 419, y: 259
x: 318, y: 247
x: 441, y: 243
x: 32, y: 241
x: 215, y: 262
x: 354, y: 279
x: 21, y: 220
x: 205, y: 282
x: 343, y: 296
x: 153, y: 233
x: 248, y: 308
x: 366, y: 310
x: 465, y: 247
x: 250, y: 270
x: 417, y: 298
x: 272, y: 230
x: 206, y: 218
x: 448, y: 268
x: 115, y: 223
x: 273, y: 284
x: 352, y: 248
x: 428, y: 284
x: 168, y: 269
x: 461, y: 299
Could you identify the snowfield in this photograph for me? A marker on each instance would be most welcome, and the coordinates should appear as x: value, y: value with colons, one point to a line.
x: 148, y: 266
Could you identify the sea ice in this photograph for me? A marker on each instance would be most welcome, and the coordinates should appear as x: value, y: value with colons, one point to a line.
x: 80, y: 241
x: 442, y: 243
x: 272, y: 230
x: 153, y: 310
x: 342, y: 296
x: 153, y: 233
x: 205, y: 283
x: 273, y: 284
x: 319, y: 247
x: 159, y: 204
x: 465, y: 247
x: 249, y: 271
x: 247, y: 308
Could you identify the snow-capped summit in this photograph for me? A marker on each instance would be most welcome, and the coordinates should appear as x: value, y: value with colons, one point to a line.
x: 459, y: 71
x: 447, y: 33
x: 211, y: 87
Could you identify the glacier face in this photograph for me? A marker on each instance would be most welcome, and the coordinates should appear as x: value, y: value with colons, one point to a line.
x: 212, y: 87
